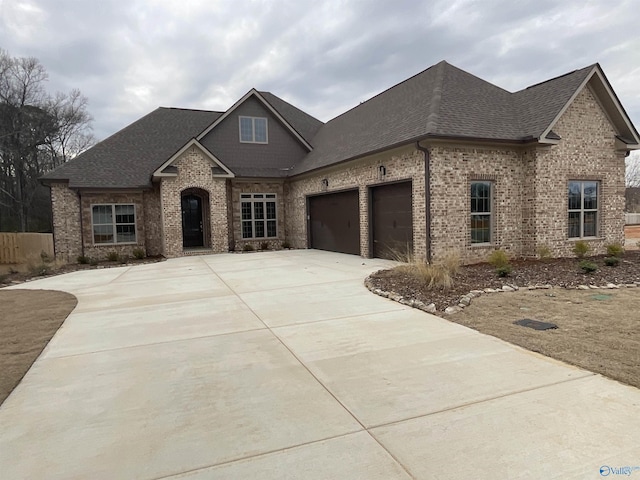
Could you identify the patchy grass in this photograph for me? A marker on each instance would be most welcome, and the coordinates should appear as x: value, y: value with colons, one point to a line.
x: 597, y: 329
x: 29, y: 319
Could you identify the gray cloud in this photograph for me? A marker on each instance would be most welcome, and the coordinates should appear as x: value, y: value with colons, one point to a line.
x: 325, y: 57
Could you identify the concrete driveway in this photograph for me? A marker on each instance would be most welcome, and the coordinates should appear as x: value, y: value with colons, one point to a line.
x: 282, y: 365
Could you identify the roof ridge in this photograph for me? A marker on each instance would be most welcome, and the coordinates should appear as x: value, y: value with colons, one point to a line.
x: 288, y: 103
x: 387, y: 89
x: 190, y: 109
x: 589, y: 67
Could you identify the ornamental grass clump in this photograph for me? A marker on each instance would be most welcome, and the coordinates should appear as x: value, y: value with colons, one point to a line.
x: 432, y: 275
x: 581, y: 248
x: 615, y: 250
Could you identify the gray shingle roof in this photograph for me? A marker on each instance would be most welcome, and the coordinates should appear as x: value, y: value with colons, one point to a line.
x: 128, y: 158
x: 303, y: 123
x: 441, y: 101
x: 539, y: 104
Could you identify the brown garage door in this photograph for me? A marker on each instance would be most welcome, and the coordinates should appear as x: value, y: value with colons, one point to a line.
x: 335, y: 222
x: 392, y: 220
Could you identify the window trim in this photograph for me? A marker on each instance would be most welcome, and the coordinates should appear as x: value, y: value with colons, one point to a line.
x: 253, y: 129
x: 491, y: 213
x: 254, y: 198
x: 114, y: 224
x: 583, y: 210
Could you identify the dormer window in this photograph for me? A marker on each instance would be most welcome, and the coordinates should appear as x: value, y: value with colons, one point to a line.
x: 253, y: 130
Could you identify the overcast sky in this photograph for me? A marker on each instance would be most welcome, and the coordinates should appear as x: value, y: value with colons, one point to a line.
x: 131, y: 56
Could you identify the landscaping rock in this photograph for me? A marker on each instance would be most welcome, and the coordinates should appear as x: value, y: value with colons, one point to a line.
x: 452, y: 310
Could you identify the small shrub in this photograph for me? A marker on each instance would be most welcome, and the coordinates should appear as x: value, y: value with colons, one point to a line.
x: 498, y: 258
x: 264, y: 245
x: 138, y: 253
x: 581, y: 248
x: 113, y: 256
x: 612, y: 261
x: 13, y: 270
x: 286, y: 244
x: 45, y: 257
x: 544, y: 253
x: 40, y: 269
x: 503, y: 270
x: 93, y: 262
x: 82, y: 260
x: 587, y: 266
x: 3, y: 278
x: 247, y: 247
x: 615, y: 250
x: 123, y: 259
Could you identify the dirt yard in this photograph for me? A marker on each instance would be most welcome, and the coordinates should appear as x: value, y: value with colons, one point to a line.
x: 598, y: 330
x: 28, y: 320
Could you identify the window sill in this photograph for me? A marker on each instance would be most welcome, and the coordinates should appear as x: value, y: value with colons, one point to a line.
x: 482, y: 245
x: 584, y: 239
x: 113, y: 244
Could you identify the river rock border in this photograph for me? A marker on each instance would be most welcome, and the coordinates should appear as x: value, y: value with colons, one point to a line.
x: 465, y: 300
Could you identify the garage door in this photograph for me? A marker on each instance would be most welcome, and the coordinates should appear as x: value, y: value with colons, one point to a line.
x: 392, y: 220
x: 335, y: 222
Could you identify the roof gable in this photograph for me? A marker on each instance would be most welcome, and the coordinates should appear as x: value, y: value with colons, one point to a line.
x: 161, y: 170
x: 128, y: 158
x: 254, y: 93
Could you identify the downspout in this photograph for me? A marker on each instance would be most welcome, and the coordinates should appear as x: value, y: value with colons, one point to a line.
x: 81, y: 225
x: 427, y: 196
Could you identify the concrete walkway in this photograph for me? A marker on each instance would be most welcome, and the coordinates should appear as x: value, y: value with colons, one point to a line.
x: 282, y: 365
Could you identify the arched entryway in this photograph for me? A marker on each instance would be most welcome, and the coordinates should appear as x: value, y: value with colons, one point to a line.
x: 195, y: 218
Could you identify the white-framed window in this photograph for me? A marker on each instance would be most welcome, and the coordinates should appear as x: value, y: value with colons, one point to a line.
x: 481, y: 211
x: 253, y: 130
x: 583, y: 208
x: 113, y: 223
x: 258, y: 212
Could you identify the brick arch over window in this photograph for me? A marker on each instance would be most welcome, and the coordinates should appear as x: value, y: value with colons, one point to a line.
x: 196, y: 217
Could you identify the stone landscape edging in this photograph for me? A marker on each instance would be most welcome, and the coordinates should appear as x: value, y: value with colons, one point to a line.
x: 465, y: 300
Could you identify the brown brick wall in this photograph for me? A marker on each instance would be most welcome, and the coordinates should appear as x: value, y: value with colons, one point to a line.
x: 152, y: 220
x: 101, y: 252
x: 194, y: 171
x: 401, y: 164
x: 453, y: 168
x: 530, y: 195
x: 241, y: 186
x: 65, y: 206
x: 586, y: 152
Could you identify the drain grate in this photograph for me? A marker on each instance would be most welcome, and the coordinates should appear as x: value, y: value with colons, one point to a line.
x: 535, y: 324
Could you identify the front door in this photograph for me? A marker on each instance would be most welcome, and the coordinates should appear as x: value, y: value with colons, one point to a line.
x: 192, y: 221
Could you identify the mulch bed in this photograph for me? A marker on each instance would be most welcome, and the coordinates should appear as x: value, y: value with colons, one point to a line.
x: 558, y: 272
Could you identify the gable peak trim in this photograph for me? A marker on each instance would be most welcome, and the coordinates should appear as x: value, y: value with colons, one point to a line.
x: 158, y: 173
x: 255, y: 93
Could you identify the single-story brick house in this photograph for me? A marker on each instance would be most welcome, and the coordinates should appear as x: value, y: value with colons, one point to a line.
x: 442, y: 161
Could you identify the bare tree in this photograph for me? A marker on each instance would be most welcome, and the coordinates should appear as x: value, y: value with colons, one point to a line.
x: 38, y: 132
x: 632, y: 174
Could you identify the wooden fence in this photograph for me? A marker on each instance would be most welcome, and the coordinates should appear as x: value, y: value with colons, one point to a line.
x: 632, y: 218
x: 23, y: 247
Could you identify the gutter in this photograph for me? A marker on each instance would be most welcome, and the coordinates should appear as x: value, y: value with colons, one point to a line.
x: 427, y: 196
